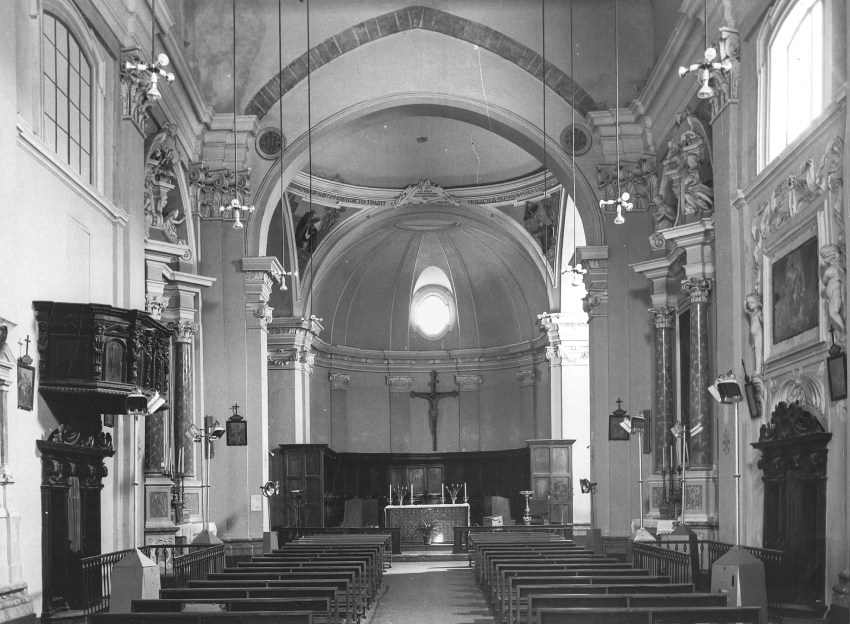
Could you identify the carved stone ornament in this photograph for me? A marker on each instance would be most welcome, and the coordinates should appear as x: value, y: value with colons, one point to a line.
x: 300, y: 358
x: 159, y: 181
x: 789, y: 420
x: 725, y: 81
x: 663, y: 318
x: 795, y: 194
x: 638, y: 178
x: 213, y: 188
x: 687, y: 172
x: 589, y: 302
x: 134, y: 93
x: 184, y: 331
x: 573, y: 354
x: 155, y: 305
x: 468, y: 383
x: 399, y: 384
x: 753, y: 308
x: 834, y: 291
x: 698, y: 289
x: 339, y: 381
x: 65, y: 434
x: 664, y: 216
x: 263, y: 311
x: 423, y: 192
x: 526, y: 377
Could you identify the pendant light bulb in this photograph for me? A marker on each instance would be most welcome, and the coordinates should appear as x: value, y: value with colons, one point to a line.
x: 619, y: 220
x: 705, y: 91
x: 153, y: 89
x: 237, y: 224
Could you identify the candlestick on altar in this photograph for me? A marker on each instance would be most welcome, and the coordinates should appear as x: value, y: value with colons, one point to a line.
x: 442, y: 493
x: 391, y: 495
x: 465, y: 497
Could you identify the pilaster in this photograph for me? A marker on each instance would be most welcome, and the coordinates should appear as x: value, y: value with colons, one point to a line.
x: 549, y: 324
x: 399, y: 389
x: 339, y: 410
x: 701, y: 455
x: 469, y: 405
x: 260, y: 274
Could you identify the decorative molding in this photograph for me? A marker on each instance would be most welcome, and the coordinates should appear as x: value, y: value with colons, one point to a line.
x: 262, y: 311
x: 569, y: 354
x: 339, y: 381
x: 698, y: 289
x: 184, y: 331
x: 212, y: 188
x: 590, y: 302
x: 135, y: 102
x: 798, y: 388
x: 468, y: 383
x: 299, y: 358
x: 789, y: 420
x: 725, y: 81
x: 159, y: 181
x: 635, y: 177
x: 663, y: 318
x: 155, y: 305
x: 526, y: 377
x: 424, y: 192
x: 399, y: 384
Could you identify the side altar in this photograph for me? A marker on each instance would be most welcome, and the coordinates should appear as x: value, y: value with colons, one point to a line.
x: 446, y: 517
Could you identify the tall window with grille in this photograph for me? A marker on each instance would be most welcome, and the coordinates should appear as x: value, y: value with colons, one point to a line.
x: 67, y: 93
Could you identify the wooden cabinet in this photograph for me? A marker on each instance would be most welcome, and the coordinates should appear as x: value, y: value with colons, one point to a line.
x: 308, y: 475
x: 551, y: 476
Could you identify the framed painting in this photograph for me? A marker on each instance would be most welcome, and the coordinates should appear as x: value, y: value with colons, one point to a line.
x: 836, y: 367
x: 237, y: 433
x: 615, y: 431
x: 26, y: 386
x: 793, y: 315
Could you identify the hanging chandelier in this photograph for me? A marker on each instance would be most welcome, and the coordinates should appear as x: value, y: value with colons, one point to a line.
x: 154, y: 69
x: 235, y: 209
x: 707, y: 64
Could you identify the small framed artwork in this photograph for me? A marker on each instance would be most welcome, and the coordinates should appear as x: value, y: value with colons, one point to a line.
x: 237, y: 433
x: 836, y: 366
x: 615, y: 431
x: 26, y: 386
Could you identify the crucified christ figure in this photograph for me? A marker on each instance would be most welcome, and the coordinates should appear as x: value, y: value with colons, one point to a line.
x: 433, y: 397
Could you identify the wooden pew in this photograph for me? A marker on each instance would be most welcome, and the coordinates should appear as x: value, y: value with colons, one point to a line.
x: 519, y: 592
x: 619, y: 601
x: 222, y: 617
x: 660, y: 615
x: 320, y: 607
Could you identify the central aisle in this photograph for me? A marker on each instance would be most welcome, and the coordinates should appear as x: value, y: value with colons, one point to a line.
x: 435, y: 592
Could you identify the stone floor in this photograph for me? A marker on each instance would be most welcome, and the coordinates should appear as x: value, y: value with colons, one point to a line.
x: 430, y: 592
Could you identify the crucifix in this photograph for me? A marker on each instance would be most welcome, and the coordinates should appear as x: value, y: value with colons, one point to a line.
x: 432, y: 398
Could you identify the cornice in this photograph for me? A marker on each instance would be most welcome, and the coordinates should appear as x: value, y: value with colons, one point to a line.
x: 337, y: 194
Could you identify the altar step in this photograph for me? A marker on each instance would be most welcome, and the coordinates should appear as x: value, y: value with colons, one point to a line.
x: 435, y: 552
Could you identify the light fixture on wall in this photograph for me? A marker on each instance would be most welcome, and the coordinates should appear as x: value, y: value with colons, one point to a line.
x: 235, y: 209
x: 637, y: 424
x: 576, y: 269
x: 155, y: 68
x: 623, y: 198
x: 725, y: 390
x: 707, y: 63
x: 212, y: 431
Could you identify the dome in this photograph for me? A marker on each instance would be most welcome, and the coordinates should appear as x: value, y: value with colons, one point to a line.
x: 366, y: 283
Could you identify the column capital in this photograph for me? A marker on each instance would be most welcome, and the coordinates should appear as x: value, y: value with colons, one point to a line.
x: 595, y: 261
x: 260, y: 273
x: 339, y: 381
x: 135, y: 101
x: 399, y: 384
x: 663, y: 317
x: 698, y: 289
x: 664, y: 276
x: 468, y: 383
x: 155, y: 305
x: 184, y: 331
x: 526, y: 377
x: 300, y: 358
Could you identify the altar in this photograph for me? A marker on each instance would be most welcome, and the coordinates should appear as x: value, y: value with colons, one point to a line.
x: 446, y: 517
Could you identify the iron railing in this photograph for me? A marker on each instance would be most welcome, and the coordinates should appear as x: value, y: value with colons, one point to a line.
x: 662, y: 561
x: 177, y: 563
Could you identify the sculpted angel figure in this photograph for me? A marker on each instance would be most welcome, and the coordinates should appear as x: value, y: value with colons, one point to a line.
x: 664, y: 214
x: 753, y: 307
x: 833, y: 281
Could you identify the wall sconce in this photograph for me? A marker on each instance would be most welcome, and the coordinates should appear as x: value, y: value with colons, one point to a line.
x: 587, y: 486
x: 726, y: 390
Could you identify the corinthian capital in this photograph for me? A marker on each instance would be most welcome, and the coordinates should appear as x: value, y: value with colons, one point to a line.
x: 154, y: 305
x: 698, y: 288
x: 663, y: 317
x: 339, y: 381
x: 184, y: 331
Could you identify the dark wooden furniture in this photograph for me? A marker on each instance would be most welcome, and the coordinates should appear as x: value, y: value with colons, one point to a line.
x: 328, y: 479
x: 92, y: 356
x: 794, y: 459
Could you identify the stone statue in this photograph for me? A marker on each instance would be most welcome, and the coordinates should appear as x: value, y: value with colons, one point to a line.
x: 169, y: 226
x: 833, y: 281
x: 697, y: 198
x: 664, y: 214
x: 753, y: 307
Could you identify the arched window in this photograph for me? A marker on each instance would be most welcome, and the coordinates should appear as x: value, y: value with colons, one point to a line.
x: 795, y: 59
x: 67, y: 96
x: 432, y: 307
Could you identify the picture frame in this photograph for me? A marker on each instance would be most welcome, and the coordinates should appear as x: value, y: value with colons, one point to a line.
x: 615, y: 431
x: 836, y: 367
x: 794, y: 317
x: 237, y: 433
x: 26, y: 386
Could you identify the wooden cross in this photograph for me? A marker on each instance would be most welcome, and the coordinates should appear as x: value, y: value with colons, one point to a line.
x: 432, y: 398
